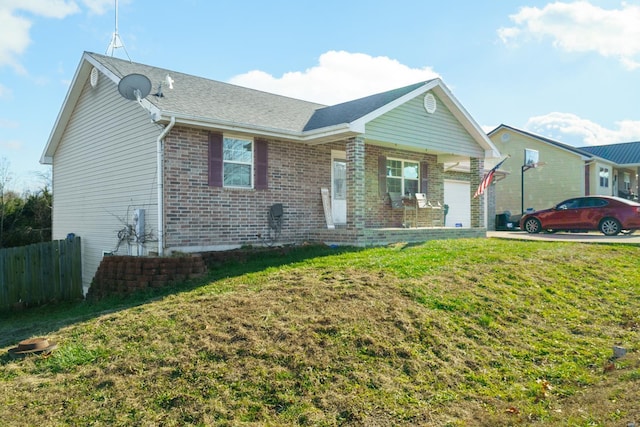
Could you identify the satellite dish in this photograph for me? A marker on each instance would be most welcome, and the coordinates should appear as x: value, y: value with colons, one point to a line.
x: 134, y: 87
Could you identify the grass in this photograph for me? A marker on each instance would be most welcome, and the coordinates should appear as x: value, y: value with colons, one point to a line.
x: 477, y: 332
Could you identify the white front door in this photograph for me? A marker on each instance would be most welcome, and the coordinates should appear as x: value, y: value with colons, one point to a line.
x: 339, y: 188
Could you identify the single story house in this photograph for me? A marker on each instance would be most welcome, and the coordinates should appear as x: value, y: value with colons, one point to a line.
x: 152, y: 161
x: 626, y: 159
x: 565, y: 171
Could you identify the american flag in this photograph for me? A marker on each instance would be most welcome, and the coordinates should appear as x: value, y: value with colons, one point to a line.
x: 488, y: 178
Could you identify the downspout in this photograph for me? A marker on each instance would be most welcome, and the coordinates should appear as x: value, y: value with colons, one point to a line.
x: 159, y: 172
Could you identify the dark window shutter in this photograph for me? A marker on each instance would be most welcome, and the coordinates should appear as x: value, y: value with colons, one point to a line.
x: 587, y: 189
x: 424, y: 177
x: 262, y: 162
x: 382, y: 176
x: 215, y: 159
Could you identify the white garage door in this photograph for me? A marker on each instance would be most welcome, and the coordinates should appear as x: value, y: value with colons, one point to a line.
x: 456, y: 195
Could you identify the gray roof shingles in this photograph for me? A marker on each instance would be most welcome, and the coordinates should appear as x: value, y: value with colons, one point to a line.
x: 209, y: 99
x: 213, y: 100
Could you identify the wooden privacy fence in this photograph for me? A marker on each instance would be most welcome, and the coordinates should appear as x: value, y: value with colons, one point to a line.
x: 40, y: 273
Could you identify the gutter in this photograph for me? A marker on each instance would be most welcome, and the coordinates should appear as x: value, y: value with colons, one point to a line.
x: 159, y: 173
x: 289, y: 135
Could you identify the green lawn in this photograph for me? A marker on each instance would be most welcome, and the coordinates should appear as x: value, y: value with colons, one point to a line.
x: 478, y: 332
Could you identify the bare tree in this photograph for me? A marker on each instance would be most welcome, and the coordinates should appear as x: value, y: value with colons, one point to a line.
x: 45, y: 179
x: 5, y: 179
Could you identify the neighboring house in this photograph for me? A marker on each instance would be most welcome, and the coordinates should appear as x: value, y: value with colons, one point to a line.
x: 626, y: 158
x: 201, y: 163
x: 566, y: 171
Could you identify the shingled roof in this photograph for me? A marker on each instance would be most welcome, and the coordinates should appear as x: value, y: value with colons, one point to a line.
x: 213, y: 100
x: 347, y: 112
x: 205, y: 98
x: 213, y: 104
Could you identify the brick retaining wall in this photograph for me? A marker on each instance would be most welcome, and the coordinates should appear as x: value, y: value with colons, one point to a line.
x: 121, y: 275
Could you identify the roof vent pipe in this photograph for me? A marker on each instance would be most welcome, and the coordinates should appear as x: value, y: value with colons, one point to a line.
x: 160, y: 174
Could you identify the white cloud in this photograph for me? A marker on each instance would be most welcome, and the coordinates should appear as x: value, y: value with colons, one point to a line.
x: 98, y: 7
x: 16, y: 19
x: 11, y: 145
x: 581, y: 27
x: 14, y: 39
x: 562, y: 126
x: 339, y: 76
x: 47, y: 8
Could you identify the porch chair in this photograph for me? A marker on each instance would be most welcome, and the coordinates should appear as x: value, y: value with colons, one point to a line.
x: 421, y: 203
x: 437, y: 213
x: 398, y: 202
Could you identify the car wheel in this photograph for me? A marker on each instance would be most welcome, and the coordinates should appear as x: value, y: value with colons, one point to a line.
x: 610, y: 226
x: 532, y: 225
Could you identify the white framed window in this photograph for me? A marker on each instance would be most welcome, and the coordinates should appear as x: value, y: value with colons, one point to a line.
x: 627, y: 181
x: 403, y: 176
x: 604, y: 177
x: 237, y: 166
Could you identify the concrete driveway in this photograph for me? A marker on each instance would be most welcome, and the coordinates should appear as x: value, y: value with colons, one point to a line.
x: 593, y: 237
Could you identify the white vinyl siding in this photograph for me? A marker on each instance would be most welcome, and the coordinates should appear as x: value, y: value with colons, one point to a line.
x: 411, y: 125
x: 104, y: 169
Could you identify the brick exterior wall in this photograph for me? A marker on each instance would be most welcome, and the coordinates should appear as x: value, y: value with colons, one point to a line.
x: 356, y: 183
x: 477, y: 204
x: 200, y: 216
x: 378, y: 210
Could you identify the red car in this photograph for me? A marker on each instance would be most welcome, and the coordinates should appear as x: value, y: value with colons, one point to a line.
x: 609, y: 215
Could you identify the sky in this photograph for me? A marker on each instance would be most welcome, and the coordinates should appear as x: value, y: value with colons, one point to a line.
x: 566, y: 70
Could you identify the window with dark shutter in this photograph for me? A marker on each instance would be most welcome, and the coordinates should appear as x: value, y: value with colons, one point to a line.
x: 215, y: 159
x: 261, y: 164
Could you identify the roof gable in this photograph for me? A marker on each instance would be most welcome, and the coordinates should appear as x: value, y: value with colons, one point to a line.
x: 580, y: 152
x: 207, y: 103
x: 351, y: 111
x: 209, y: 100
x: 364, y: 110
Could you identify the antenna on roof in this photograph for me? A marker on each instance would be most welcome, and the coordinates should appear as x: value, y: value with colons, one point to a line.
x: 116, y: 41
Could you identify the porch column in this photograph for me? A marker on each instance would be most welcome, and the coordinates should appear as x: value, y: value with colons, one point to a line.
x: 356, y: 183
x: 477, y: 204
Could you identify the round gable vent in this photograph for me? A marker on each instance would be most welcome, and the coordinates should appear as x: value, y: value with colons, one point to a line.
x: 430, y: 103
x: 94, y: 77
